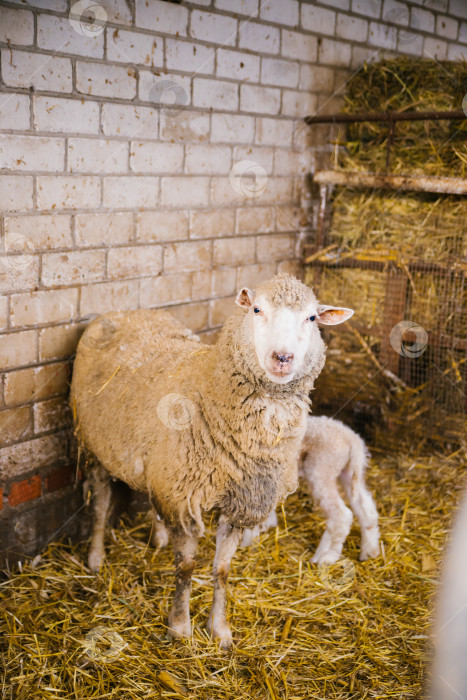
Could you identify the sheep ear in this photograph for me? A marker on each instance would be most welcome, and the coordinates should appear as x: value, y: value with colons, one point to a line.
x: 332, y: 315
x: 245, y: 298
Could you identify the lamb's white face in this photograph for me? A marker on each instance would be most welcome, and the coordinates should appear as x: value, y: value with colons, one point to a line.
x: 283, y: 337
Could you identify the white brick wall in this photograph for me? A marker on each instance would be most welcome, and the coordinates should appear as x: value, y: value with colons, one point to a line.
x: 116, y: 151
x: 129, y: 120
x: 105, y: 80
x: 189, y: 56
x: 254, y: 98
x: 57, y: 114
x: 134, y: 47
x: 259, y: 37
x: 42, y: 72
x: 161, y: 17
x: 16, y: 26
x: 97, y: 156
x: 209, y: 94
x: 31, y: 153
x: 153, y: 157
x: 214, y: 28
x: 14, y: 111
x: 57, y: 34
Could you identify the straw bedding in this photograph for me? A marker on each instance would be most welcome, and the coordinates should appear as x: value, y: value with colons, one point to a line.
x: 361, y: 630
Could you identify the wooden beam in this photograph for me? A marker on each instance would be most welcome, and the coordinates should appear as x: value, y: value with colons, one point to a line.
x: 310, y: 258
x: 341, y: 118
x: 445, y: 185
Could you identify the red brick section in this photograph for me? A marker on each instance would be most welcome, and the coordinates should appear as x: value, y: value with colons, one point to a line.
x: 59, y: 478
x: 25, y: 490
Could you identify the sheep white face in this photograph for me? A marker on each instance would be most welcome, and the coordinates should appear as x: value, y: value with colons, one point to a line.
x: 283, y: 336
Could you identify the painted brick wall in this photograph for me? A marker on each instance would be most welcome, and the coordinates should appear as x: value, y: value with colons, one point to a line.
x: 157, y: 157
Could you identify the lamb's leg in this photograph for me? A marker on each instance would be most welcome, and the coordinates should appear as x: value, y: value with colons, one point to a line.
x: 338, y: 521
x: 270, y: 522
x: 184, y: 547
x: 250, y: 535
x: 364, y: 508
x: 227, y: 540
x: 160, y: 534
x: 102, y: 497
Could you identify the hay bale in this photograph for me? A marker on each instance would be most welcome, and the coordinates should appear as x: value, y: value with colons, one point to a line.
x: 405, y: 84
x: 416, y: 226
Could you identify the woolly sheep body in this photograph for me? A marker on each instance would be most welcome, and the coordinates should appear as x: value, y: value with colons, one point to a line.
x: 236, y: 449
x: 191, y: 470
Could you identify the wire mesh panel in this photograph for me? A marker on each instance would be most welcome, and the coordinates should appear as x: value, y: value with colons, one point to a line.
x: 400, y: 364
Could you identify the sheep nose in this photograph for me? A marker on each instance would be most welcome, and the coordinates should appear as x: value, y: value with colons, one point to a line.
x: 282, y: 356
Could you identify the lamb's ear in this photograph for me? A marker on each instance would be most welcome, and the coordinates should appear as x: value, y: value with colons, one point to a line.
x: 332, y: 315
x: 245, y: 298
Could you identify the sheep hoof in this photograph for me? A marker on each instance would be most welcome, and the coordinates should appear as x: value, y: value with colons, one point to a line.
x: 179, y: 629
x: 95, y: 560
x: 326, y: 558
x: 370, y: 552
x: 221, y: 633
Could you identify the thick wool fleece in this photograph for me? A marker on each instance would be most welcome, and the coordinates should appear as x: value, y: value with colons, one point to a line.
x: 238, y: 448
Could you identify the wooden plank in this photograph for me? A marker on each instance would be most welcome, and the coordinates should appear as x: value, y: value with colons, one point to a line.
x: 444, y: 185
x: 350, y: 262
x: 340, y: 118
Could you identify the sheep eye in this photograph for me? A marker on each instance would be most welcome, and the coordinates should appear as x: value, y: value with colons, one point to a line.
x: 312, y: 318
x: 256, y: 310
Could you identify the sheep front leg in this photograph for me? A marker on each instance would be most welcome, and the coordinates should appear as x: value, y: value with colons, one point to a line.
x: 184, y: 547
x: 102, y: 497
x: 227, y: 541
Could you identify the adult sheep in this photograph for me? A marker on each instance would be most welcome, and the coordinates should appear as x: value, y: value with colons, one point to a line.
x: 200, y: 427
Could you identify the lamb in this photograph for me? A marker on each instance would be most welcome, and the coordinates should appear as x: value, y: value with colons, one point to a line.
x: 200, y: 427
x: 332, y: 452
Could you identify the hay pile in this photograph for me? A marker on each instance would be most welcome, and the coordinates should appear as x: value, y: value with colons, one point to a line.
x: 405, y: 84
x: 416, y: 226
x: 420, y: 238
x: 357, y: 631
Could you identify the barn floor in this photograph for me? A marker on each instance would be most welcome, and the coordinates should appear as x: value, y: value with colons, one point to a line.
x: 361, y: 630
